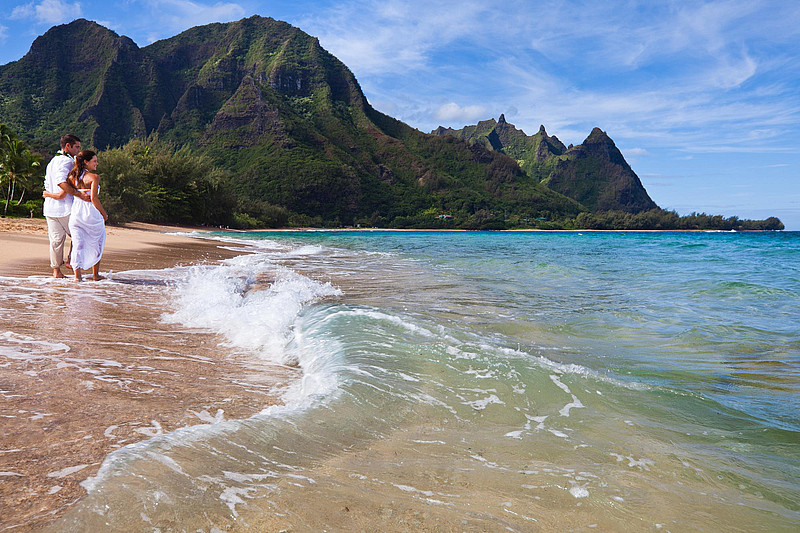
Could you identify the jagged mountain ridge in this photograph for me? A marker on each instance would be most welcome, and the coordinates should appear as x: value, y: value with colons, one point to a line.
x: 268, y: 102
x: 593, y: 173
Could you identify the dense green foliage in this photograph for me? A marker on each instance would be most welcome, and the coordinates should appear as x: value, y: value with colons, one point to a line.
x: 20, y: 173
x: 253, y: 124
x: 660, y: 219
x: 153, y: 182
x: 594, y: 173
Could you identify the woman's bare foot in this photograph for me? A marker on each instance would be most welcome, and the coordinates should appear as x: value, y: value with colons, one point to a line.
x: 98, y: 277
x: 78, y: 275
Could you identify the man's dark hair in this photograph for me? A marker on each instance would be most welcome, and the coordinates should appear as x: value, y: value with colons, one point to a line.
x: 69, y: 139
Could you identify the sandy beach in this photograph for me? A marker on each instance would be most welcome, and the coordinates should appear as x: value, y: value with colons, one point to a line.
x: 23, y: 247
x: 78, y: 382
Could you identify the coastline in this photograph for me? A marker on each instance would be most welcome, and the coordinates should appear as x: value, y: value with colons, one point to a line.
x: 89, y: 368
x: 24, y: 244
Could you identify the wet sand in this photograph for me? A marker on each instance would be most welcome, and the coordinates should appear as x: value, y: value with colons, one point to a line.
x: 24, y: 247
x: 88, y: 368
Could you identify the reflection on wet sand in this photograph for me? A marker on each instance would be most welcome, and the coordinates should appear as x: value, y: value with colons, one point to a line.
x: 88, y: 368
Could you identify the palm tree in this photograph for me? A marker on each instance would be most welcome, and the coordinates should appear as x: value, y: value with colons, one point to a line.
x: 28, y: 178
x: 17, y: 163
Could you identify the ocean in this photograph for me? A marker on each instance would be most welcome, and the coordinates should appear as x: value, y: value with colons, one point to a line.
x: 472, y: 381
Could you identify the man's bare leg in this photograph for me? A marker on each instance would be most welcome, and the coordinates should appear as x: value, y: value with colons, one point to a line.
x: 96, y: 272
x: 69, y: 256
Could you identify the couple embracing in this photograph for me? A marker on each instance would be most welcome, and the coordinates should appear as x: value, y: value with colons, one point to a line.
x: 72, y: 207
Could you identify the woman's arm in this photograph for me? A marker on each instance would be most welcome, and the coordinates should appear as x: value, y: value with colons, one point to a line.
x: 65, y: 189
x: 95, y: 191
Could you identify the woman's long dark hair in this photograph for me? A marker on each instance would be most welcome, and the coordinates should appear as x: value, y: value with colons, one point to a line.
x: 80, y: 165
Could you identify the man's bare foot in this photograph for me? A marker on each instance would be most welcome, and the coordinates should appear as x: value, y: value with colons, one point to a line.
x: 57, y: 273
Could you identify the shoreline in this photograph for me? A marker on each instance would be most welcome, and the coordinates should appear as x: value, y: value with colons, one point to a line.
x: 88, y: 368
x: 24, y: 243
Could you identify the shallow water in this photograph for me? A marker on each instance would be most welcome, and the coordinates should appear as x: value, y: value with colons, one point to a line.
x: 484, y: 381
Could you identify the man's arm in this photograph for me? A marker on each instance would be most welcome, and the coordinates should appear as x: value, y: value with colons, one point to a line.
x: 61, y: 174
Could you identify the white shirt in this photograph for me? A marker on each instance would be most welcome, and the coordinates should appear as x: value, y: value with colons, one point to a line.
x: 57, y: 170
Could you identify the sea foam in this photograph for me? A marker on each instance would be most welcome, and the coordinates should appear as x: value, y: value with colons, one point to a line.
x: 249, y: 300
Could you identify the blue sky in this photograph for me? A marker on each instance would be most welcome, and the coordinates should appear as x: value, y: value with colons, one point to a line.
x: 703, y: 98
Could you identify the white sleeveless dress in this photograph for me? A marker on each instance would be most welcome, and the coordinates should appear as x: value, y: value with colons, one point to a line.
x: 88, y: 231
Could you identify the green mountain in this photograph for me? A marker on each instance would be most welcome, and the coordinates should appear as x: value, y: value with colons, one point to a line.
x: 267, y: 102
x: 593, y: 173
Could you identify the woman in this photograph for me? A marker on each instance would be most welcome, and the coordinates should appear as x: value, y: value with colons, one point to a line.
x: 87, y: 219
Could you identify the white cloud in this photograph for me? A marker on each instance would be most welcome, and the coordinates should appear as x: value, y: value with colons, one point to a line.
x: 183, y: 14
x: 22, y: 11
x: 47, y: 11
x: 453, y: 112
x: 3, y: 33
x: 393, y: 36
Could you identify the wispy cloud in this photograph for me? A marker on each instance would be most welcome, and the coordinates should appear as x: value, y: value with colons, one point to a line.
x: 47, y: 11
x: 179, y: 15
x: 394, y: 36
x: 454, y: 112
x: 3, y: 33
x: 679, y: 74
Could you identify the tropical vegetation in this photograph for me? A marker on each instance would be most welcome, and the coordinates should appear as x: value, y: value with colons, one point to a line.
x: 20, y: 173
x: 253, y: 124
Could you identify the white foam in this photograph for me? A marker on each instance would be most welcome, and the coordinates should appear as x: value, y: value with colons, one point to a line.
x: 575, y: 404
x: 205, y: 416
x: 24, y: 348
x: 64, y: 472
x: 169, y: 462
x: 579, y: 491
x: 482, y: 403
x: 152, y: 431
x: 641, y: 464
x: 564, y: 368
x: 560, y: 384
x: 406, y: 488
x: 396, y: 320
x: 232, y: 496
x: 231, y: 300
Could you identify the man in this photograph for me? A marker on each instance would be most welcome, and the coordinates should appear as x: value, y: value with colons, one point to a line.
x: 57, y: 210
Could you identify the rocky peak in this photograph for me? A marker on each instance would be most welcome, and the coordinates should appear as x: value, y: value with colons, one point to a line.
x: 598, y: 136
x: 599, y: 144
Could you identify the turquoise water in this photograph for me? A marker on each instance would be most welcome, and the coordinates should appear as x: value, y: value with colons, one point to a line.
x: 487, y: 381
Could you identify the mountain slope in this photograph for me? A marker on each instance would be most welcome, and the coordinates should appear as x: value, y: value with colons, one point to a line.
x: 266, y: 101
x: 593, y: 173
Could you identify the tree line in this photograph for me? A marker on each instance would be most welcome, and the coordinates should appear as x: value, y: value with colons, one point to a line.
x: 153, y: 181
x: 21, y: 173
x: 144, y: 180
